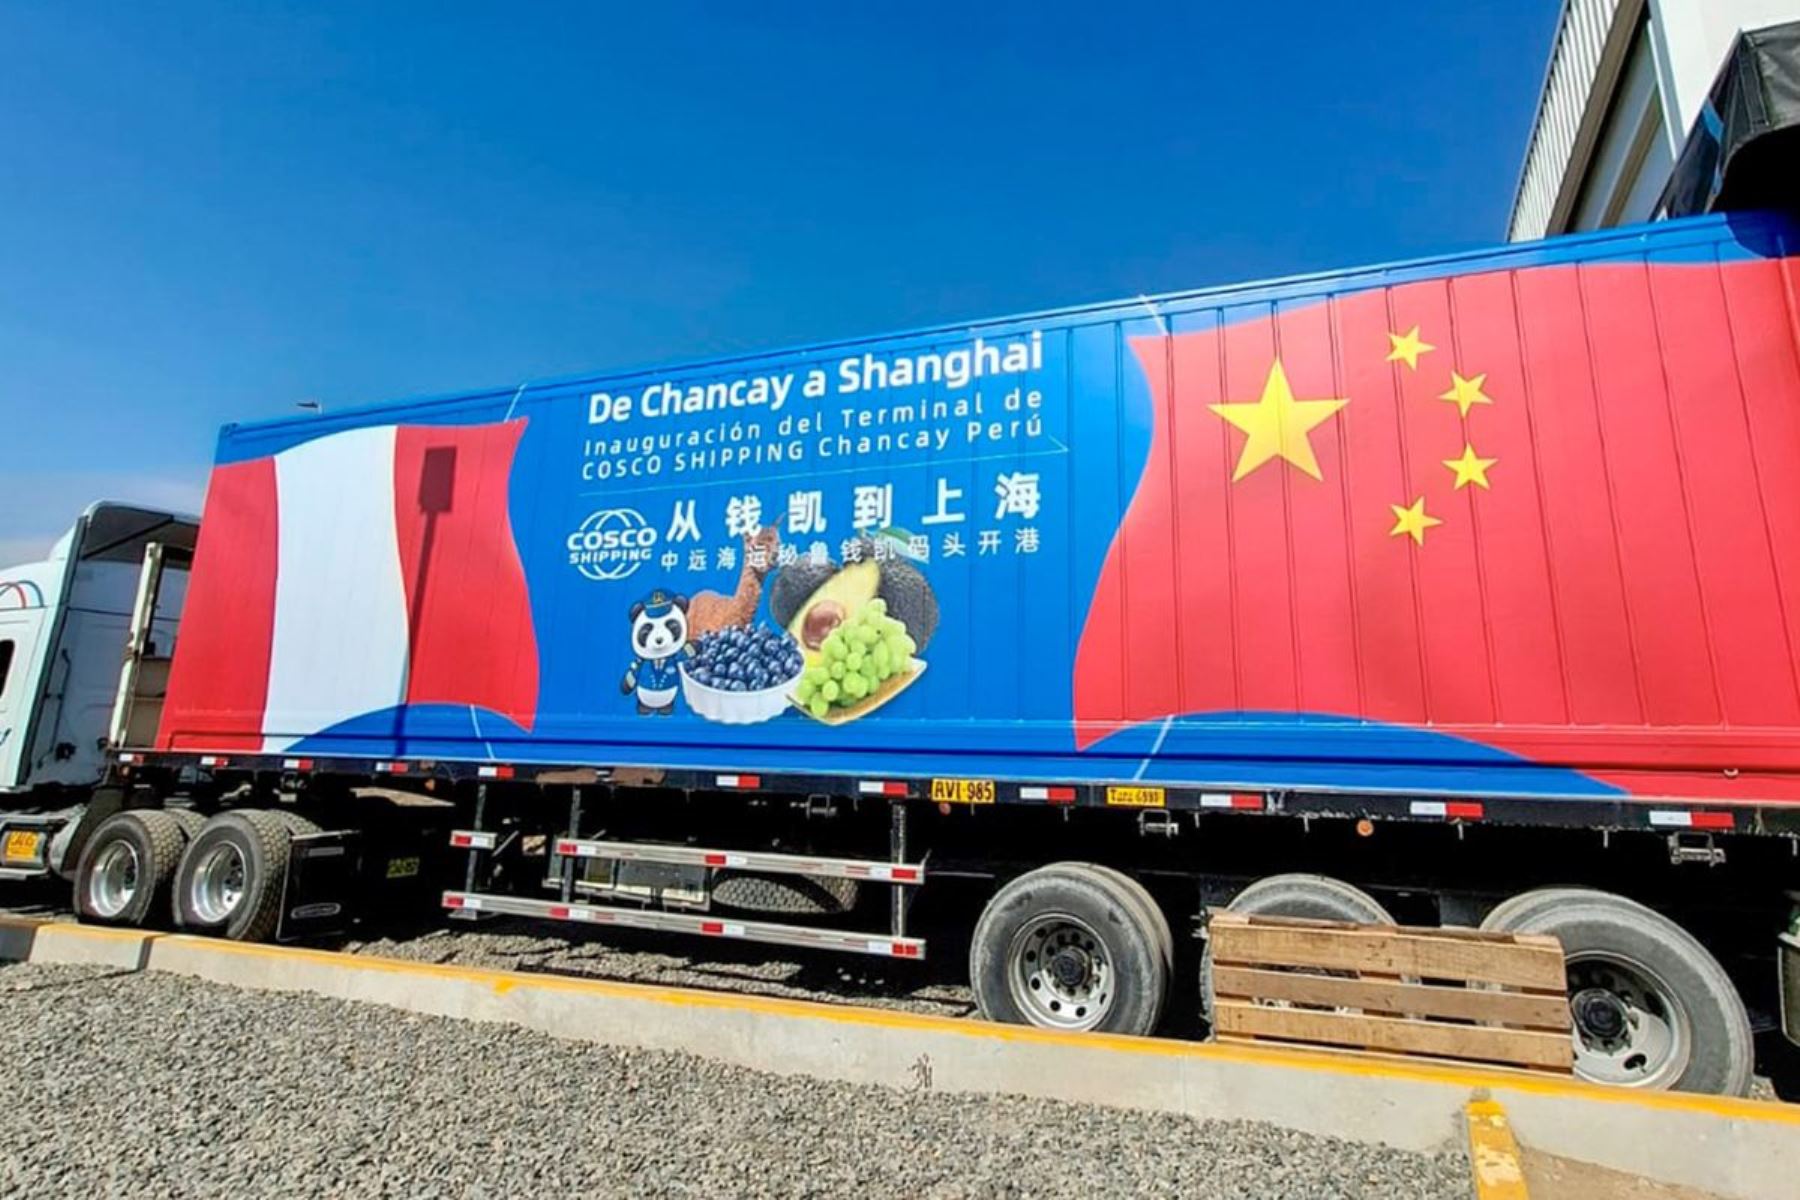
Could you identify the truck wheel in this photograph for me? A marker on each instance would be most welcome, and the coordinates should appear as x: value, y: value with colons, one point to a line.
x: 124, y: 872
x: 797, y: 894
x: 1069, y: 946
x: 1152, y: 911
x: 1315, y: 897
x: 190, y: 821
x: 297, y: 825
x: 231, y: 878
x: 1652, y: 1009
x: 1319, y: 897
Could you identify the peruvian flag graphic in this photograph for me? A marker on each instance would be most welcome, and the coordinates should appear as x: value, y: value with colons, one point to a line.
x: 351, y: 574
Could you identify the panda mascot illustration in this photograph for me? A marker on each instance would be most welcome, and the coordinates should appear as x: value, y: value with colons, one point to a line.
x: 659, y: 641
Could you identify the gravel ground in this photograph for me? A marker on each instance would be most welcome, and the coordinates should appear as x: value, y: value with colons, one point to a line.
x: 517, y: 945
x: 148, y: 1084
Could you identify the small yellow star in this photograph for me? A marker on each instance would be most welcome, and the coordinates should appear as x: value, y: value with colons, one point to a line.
x: 1277, y: 425
x: 1410, y: 520
x: 1407, y: 347
x: 1466, y: 392
x: 1470, y: 469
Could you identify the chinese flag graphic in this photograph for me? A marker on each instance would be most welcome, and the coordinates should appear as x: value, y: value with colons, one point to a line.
x: 1554, y: 510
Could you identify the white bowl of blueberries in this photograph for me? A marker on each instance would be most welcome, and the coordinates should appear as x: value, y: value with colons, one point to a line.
x: 742, y: 674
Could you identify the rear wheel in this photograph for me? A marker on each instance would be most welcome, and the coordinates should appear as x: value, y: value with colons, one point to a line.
x: 1651, y: 1008
x: 1314, y: 897
x: 230, y: 880
x: 124, y: 871
x: 1071, y: 946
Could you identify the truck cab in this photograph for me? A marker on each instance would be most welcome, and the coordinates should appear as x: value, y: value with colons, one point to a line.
x: 85, y: 640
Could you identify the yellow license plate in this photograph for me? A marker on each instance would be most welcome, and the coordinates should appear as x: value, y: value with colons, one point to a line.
x: 963, y: 791
x: 402, y: 868
x: 22, y: 846
x: 1136, y: 797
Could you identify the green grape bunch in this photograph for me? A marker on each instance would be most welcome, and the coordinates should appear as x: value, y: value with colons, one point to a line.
x: 855, y: 659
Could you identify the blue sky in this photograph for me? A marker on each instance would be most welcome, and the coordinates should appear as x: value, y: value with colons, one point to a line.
x: 211, y: 211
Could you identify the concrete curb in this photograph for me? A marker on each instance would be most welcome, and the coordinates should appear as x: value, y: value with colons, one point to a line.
x: 1742, y: 1149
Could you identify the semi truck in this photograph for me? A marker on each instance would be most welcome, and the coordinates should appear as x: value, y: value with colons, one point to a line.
x: 1462, y: 591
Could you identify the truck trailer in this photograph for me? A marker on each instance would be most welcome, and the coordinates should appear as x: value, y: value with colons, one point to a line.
x: 1459, y: 591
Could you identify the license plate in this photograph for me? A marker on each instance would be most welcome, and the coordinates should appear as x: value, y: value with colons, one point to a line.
x: 1136, y: 797
x: 962, y: 791
x: 403, y: 868
x: 23, y: 846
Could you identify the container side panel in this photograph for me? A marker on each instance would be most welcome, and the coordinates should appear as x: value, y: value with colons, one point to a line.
x: 1262, y: 576
x: 1188, y: 365
x: 1493, y: 477
x: 1670, y: 641
x: 1732, y: 547
x: 1595, y: 628
x: 340, y: 639
x: 1390, y: 637
x: 1768, y: 367
x: 1319, y: 561
x: 219, y: 681
x: 1457, y: 667
x: 464, y: 583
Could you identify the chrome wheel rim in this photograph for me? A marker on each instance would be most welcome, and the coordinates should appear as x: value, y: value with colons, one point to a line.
x: 1629, y: 1028
x: 113, y: 882
x: 218, y: 884
x: 1059, y: 973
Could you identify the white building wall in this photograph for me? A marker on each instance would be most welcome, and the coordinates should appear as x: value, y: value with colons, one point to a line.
x: 1626, y: 79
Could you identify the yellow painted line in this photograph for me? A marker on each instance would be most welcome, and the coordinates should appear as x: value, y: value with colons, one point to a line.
x: 1494, y: 1154
x: 1362, y: 1065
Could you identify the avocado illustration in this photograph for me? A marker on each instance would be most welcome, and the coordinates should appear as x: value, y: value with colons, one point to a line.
x: 836, y: 591
x: 793, y: 585
x: 861, y: 626
x: 909, y: 598
x: 833, y: 603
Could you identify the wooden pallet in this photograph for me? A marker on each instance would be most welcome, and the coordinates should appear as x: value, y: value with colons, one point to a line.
x: 1443, y: 993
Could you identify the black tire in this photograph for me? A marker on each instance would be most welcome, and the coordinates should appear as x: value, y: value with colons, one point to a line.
x: 1314, y: 897
x: 260, y: 842
x: 297, y: 825
x: 145, y: 845
x: 1610, y: 935
x: 1152, y: 911
x: 1318, y: 897
x: 813, y: 895
x: 1125, y: 951
x: 190, y: 821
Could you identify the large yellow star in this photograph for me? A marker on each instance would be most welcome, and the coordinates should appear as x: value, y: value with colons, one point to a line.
x: 1406, y: 347
x: 1466, y: 392
x: 1411, y: 521
x: 1470, y: 469
x: 1277, y: 425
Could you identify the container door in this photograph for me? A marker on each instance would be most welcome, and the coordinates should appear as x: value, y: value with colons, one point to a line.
x: 19, y: 634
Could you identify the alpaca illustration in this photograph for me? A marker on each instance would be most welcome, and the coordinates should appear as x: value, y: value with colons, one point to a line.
x: 709, y: 611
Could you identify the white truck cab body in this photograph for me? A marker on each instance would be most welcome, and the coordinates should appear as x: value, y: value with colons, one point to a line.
x: 64, y: 627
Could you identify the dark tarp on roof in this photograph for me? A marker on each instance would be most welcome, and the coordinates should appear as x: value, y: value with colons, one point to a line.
x: 1744, y: 149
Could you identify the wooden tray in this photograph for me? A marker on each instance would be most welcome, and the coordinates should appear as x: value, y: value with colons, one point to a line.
x: 1444, y: 993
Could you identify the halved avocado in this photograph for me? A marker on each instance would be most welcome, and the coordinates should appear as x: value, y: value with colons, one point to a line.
x: 834, y: 603
x: 793, y: 585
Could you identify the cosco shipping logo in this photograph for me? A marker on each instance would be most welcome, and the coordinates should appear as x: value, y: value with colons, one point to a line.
x: 611, y: 544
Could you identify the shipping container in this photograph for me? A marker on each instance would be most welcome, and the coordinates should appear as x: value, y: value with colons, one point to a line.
x: 1520, y: 523
x: 1407, y: 590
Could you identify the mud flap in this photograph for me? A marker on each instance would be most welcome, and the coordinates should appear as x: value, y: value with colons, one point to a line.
x: 319, y: 895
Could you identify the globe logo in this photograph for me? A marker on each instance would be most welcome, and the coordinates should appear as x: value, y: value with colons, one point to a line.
x: 611, y: 544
